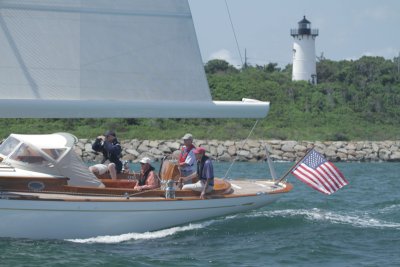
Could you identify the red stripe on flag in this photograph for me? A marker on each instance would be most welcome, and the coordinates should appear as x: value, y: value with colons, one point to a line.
x: 335, y: 175
x: 327, y: 176
x: 320, y: 178
x: 342, y: 178
x: 327, y: 167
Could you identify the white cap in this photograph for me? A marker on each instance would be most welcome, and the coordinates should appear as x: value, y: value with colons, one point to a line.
x: 187, y: 136
x: 145, y: 160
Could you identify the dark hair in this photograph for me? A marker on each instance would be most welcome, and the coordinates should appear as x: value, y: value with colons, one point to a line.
x: 110, y: 132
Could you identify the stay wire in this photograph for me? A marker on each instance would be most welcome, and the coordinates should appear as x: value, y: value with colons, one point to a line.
x: 241, y: 60
x: 245, y: 141
x: 234, y: 32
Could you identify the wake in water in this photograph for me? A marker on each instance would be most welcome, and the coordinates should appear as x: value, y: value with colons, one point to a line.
x: 150, y: 235
x: 390, y: 209
x: 141, y: 236
x: 362, y: 221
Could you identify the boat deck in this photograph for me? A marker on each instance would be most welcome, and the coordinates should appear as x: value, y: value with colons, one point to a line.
x: 241, y: 187
x: 233, y: 188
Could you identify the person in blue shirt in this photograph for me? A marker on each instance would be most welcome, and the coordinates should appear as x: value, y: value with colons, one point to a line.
x: 111, y: 149
x: 187, y: 159
x: 205, y: 174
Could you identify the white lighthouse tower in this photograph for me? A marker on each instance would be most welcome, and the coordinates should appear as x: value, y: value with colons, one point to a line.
x: 304, y: 63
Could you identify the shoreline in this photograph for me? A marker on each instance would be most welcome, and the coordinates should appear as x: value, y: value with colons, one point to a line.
x: 254, y: 150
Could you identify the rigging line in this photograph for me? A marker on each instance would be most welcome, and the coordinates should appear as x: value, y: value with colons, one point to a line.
x: 269, y: 161
x: 234, y: 33
x: 245, y: 141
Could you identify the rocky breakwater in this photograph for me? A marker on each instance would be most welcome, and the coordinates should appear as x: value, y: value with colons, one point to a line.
x: 254, y: 150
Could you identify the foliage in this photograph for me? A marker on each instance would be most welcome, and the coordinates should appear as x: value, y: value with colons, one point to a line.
x: 354, y: 100
x: 218, y: 66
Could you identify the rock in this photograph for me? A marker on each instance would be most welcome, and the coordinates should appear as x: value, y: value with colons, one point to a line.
x: 134, y: 143
x: 156, y: 152
x: 274, y: 142
x: 225, y: 157
x: 330, y: 152
x: 80, y: 144
x: 213, y: 143
x: 213, y: 151
x: 145, y: 143
x: 173, y: 145
x: 288, y: 146
x: 221, y: 149
x: 375, y: 147
x: 300, y: 148
x: 78, y: 151
x: 288, y: 156
x: 253, y: 143
x: 132, y: 152
x: 395, y: 156
x: 154, y: 143
x: 360, y: 155
x: 244, y: 153
x: 232, y: 150
x: 88, y: 147
x: 350, y: 146
x: 143, y: 148
x: 228, y: 143
x: 384, y: 154
x: 276, y: 152
x: 165, y: 149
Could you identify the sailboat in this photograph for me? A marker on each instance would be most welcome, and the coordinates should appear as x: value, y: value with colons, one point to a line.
x: 92, y: 59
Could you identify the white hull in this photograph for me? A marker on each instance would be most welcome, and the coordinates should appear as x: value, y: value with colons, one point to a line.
x: 80, y: 219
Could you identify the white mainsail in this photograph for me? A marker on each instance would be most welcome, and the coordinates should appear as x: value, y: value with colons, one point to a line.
x: 106, y: 58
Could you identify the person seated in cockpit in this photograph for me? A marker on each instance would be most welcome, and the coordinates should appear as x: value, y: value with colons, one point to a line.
x: 147, y: 179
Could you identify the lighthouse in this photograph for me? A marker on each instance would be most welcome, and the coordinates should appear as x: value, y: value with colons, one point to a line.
x: 304, y: 63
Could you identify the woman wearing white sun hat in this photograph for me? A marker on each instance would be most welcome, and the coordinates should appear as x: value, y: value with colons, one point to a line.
x: 147, y: 178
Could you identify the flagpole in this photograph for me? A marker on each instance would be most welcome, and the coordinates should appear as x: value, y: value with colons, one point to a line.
x: 294, y: 166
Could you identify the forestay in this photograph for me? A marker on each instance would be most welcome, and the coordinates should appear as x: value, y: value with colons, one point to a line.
x: 105, y: 58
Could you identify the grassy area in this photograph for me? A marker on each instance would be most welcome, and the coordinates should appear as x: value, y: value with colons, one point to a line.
x: 220, y: 129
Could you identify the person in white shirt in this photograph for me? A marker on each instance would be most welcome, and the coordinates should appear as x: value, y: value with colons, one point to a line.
x: 187, y: 159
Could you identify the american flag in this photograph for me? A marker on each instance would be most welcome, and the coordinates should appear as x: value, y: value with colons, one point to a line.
x: 320, y: 174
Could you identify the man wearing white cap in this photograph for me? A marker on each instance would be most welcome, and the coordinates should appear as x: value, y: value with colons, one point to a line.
x: 147, y: 178
x: 187, y: 159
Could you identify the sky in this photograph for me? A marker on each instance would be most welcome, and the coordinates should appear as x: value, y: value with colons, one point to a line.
x: 348, y: 29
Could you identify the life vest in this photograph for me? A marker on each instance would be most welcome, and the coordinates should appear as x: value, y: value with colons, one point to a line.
x: 200, y: 167
x: 143, y: 178
x: 184, y: 153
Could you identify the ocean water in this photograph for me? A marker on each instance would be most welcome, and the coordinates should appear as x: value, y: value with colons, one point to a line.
x: 357, y: 226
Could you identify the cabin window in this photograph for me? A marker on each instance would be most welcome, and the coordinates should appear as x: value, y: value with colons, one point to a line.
x: 55, y: 153
x: 8, y: 146
x: 27, y: 154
